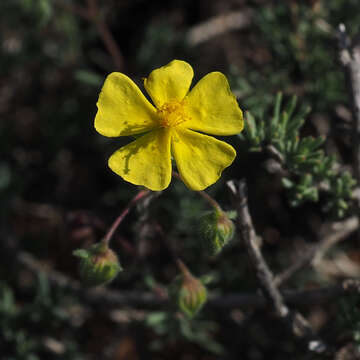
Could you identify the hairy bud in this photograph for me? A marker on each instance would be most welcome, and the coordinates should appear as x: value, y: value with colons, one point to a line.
x: 98, y: 264
x: 188, y: 292
x: 216, y: 229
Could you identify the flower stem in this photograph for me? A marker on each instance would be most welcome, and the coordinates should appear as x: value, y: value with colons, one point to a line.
x: 205, y: 195
x: 92, y: 13
x: 183, y: 268
x: 210, y: 200
x: 140, y: 195
x: 106, y: 35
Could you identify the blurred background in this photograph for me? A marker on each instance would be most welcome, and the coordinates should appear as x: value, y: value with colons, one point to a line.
x: 57, y: 193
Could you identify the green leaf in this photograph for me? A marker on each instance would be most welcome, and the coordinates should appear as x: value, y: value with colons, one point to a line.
x: 277, y: 106
x: 89, y: 78
x: 232, y: 214
x: 274, y: 122
x: 155, y: 318
x: 287, y: 183
x: 81, y: 253
x: 250, y: 126
x: 289, y: 108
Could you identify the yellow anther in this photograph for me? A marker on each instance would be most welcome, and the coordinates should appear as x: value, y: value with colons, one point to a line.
x: 172, y: 114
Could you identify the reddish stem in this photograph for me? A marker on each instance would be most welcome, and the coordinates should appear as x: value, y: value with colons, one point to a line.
x: 105, y: 34
x: 140, y: 195
x: 75, y: 9
x: 183, y: 268
x: 210, y: 200
x: 91, y: 13
x: 205, y: 195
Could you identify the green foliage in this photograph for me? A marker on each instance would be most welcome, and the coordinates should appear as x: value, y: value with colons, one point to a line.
x: 20, y: 326
x: 298, y: 40
x: 310, y: 170
x: 348, y: 317
x: 17, y: 339
x: 170, y: 327
x: 301, y: 191
x: 41, y: 10
x: 342, y: 187
x: 89, y: 78
x: 160, y: 43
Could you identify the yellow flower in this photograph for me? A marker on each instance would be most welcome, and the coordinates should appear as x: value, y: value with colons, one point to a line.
x: 169, y: 128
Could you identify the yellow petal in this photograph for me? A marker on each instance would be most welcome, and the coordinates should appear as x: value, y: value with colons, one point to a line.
x: 122, y: 108
x: 200, y: 159
x: 145, y: 161
x: 212, y: 107
x: 170, y: 82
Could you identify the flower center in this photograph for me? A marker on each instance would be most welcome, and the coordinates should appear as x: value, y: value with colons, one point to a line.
x: 172, y: 114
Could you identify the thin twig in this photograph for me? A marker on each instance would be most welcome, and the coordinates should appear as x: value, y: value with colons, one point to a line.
x: 350, y: 60
x: 106, y: 35
x: 218, y: 25
x: 248, y: 235
x: 345, y: 228
x: 317, y: 296
x: 169, y: 246
x: 275, y: 154
x: 102, y: 296
x: 299, y: 326
x: 74, y: 9
x: 92, y: 14
x: 339, y: 231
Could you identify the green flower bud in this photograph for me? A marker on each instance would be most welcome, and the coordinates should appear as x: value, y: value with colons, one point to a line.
x: 216, y: 230
x: 98, y: 265
x: 188, y: 292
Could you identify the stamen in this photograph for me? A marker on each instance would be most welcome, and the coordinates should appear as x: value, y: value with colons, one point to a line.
x: 172, y: 114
